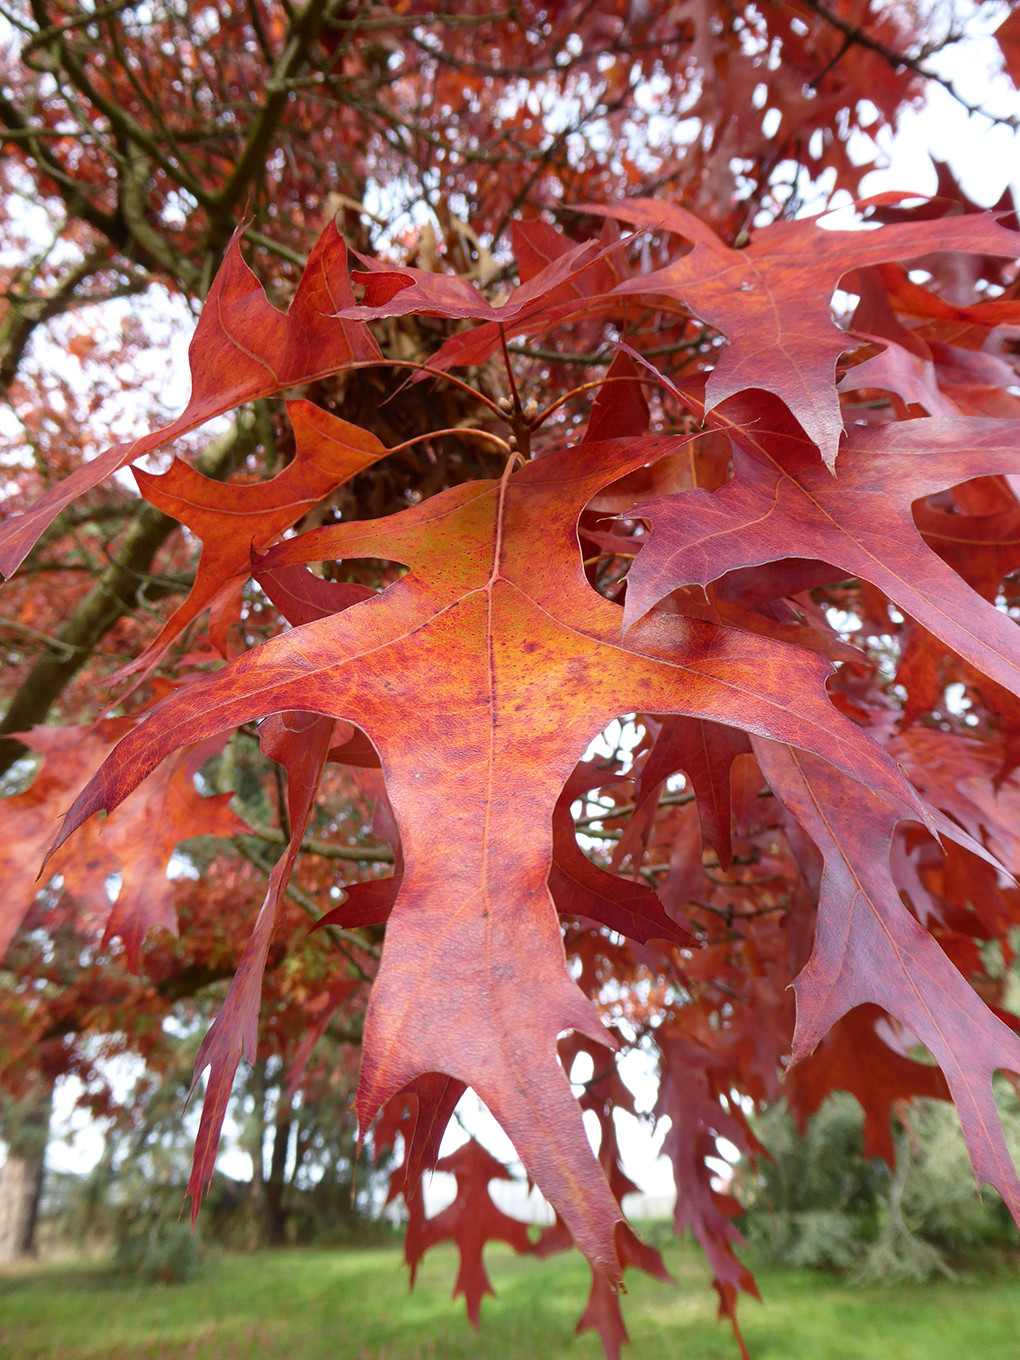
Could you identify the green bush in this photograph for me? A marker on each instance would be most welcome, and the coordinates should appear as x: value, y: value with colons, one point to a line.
x: 819, y: 1202
x: 165, y: 1253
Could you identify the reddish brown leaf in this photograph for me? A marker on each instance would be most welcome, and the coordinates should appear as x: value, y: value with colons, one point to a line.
x: 869, y: 948
x: 137, y: 842
x: 420, y: 1113
x: 243, y: 348
x: 29, y: 818
x: 982, y: 548
x: 602, y: 1313
x: 575, y: 283
x: 581, y: 888
x: 697, y: 1119
x: 302, y: 597
x: 781, y: 504
x: 774, y: 307
x: 301, y: 742
x: 620, y: 408
x: 854, y: 1056
x: 165, y: 810
x: 320, y: 1010
x: 470, y: 1221
x: 704, y: 751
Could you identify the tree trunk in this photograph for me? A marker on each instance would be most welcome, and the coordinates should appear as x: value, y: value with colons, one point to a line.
x: 26, y: 1127
x: 275, y: 1189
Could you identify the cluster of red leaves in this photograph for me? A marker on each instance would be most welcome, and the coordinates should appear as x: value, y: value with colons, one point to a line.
x: 840, y: 828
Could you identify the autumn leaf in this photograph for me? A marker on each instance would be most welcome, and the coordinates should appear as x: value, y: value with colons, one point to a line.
x: 581, y: 888
x: 300, y: 742
x: 243, y: 348
x: 860, y: 1055
x: 704, y: 751
x: 163, y: 812
x: 469, y: 1222
x: 782, y: 504
x: 1007, y: 35
x: 235, y: 522
x: 420, y: 1114
x: 509, y: 674
x: 602, y: 1312
x: 136, y: 843
x: 574, y: 283
x: 772, y: 299
x: 870, y: 949
x: 859, y: 627
x: 70, y: 754
x: 688, y: 1098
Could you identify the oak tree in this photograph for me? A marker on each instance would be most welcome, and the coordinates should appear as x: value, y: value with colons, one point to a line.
x: 552, y: 401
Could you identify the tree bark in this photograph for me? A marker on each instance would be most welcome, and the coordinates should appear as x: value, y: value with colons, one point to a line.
x: 275, y: 1209
x: 26, y: 1128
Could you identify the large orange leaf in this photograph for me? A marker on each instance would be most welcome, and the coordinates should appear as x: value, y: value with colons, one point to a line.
x: 481, y: 677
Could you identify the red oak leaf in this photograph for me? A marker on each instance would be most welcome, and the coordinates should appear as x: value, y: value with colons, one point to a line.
x: 470, y: 1221
x: 29, y: 818
x: 234, y: 522
x: 243, y: 348
x: 420, y: 1114
x: 300, y: 741
x: 772, y: 300
x: 781, y: 503
x: 602, y: 1313
x: 143, y: 833
x: 509, y: 672
x: 704, y: 751
x: 854, y: 1056
x: 1007, y: 35
x: 688, y: 1098
x: 869, y: 948
x: 575, y: 283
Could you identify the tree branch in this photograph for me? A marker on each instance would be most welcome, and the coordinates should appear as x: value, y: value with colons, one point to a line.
x: 854, y: 35
x: 223, y: 205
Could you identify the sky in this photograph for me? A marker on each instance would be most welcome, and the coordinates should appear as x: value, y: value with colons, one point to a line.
x: 986, y: 160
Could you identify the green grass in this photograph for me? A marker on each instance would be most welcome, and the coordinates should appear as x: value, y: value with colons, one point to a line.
x: 354, y: 1305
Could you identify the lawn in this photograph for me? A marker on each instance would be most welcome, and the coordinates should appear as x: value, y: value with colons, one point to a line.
x: 354, y: 1305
